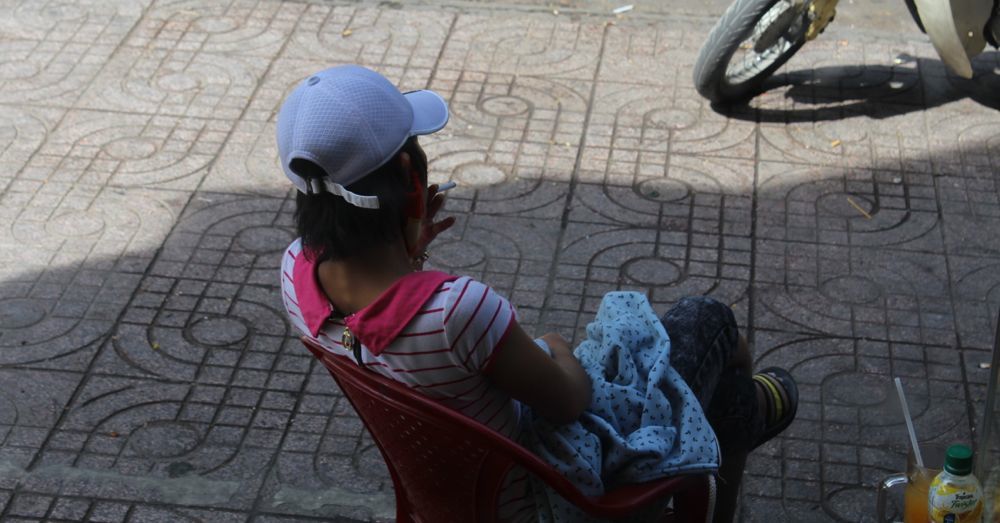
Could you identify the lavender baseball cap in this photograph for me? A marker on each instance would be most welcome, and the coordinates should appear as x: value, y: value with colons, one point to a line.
x: 349, y: 121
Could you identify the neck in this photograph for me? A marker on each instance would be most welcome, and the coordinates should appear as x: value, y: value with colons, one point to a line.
x: 352, y: 283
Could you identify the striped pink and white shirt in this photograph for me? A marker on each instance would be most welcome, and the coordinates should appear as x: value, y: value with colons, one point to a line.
x: 444, y: 351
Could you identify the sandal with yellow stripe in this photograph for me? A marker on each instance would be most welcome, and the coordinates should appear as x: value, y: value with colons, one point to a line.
x: 781, y: 399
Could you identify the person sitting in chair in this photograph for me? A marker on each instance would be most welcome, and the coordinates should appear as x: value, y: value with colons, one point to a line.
x: 354, y: 282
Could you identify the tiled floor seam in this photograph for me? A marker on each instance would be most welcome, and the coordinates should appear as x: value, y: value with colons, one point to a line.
x: 550, y: 289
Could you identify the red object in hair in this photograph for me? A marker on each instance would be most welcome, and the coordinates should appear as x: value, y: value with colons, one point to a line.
x: 415, y: 208
x: 416, y: 200
x: 448, y: 468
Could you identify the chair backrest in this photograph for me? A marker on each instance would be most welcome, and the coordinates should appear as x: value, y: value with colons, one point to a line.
x: 447, y: 467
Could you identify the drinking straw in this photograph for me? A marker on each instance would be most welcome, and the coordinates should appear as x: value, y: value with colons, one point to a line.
x: 909, y: 424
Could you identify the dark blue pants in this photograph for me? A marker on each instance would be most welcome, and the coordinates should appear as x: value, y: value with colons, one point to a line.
x: 703, y: 340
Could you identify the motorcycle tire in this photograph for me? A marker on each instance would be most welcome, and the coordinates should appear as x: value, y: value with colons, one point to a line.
x: 735, y: 26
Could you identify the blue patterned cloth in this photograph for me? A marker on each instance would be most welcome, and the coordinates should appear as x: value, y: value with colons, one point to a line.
x: 643, y: 422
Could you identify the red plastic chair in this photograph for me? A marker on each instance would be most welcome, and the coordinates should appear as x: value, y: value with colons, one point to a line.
x: 447, y: 467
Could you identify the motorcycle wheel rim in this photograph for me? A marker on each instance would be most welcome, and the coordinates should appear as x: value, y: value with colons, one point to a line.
x: 746, y: 63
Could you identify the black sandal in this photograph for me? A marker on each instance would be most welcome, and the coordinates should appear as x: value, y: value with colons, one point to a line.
x: 782, y: 399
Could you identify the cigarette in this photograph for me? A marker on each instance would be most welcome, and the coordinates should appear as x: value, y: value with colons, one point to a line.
x: 446, y: 186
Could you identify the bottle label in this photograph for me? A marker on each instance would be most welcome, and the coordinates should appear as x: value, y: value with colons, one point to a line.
x: 953, y: 503
x: 959, y: 501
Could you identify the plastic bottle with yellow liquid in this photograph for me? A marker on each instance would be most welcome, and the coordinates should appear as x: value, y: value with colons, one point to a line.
x: 955, y: 495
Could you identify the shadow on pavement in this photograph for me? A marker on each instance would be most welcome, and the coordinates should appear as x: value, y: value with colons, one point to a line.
x: 875, y: 91
x: 121, y: 379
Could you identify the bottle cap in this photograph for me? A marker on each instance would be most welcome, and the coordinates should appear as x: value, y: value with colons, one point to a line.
x: 958, y: 461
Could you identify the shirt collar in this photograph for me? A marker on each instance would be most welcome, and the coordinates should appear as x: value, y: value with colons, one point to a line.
x: 379, y: 323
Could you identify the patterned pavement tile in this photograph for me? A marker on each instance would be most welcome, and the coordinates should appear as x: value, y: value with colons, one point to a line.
x: 876, y: 294
x: 637, y: 124
x: 52, y: 50
x: 30, y: 506
x: 855, y: 72
x: 175, y: 82
x: 328, y: 465
x: 68, y: 508
x: 186, y: 60
x: 537, y: 199
x: 810, y: 115
x: 98, y: 148
x: 968, y: 197
x: 175, y: 443
x: 56, y: 21
x: 664, y: 265
x: 166, y: 514
x: 969, y: 95
x: 208, y: 310
x: 669, y: 234
x: 970, y: 138
x: 233, y: 27
x: 527, y: 45
x: 22, y: 132
x: 248, y: 162
x: 72, y: 256
x: 848, y: 207
x: 889, y: 19
x: 898, y: 142
x: 653, y: 54
x: 508, y: 127
x: 663, y: 176
x: 31, y: 403
x: 977, y: 376
x: 976, y: 298
x: 364, y: 35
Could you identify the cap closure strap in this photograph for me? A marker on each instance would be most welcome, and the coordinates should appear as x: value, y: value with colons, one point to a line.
x: 357, y: 200
x: 318, y: 185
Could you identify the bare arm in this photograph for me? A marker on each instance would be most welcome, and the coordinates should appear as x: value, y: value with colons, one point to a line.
x: 557, y: 388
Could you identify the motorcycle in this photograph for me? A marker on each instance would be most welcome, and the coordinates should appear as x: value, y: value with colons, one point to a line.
x: 756, y: 37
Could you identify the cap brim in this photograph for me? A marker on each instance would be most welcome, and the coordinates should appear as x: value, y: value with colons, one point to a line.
x: 430, y: 112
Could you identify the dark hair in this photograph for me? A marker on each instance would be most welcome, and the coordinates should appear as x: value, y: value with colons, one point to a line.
x: 331, y: 228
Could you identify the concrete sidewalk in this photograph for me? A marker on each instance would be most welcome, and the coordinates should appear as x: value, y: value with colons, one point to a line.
x: 147, y: 373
